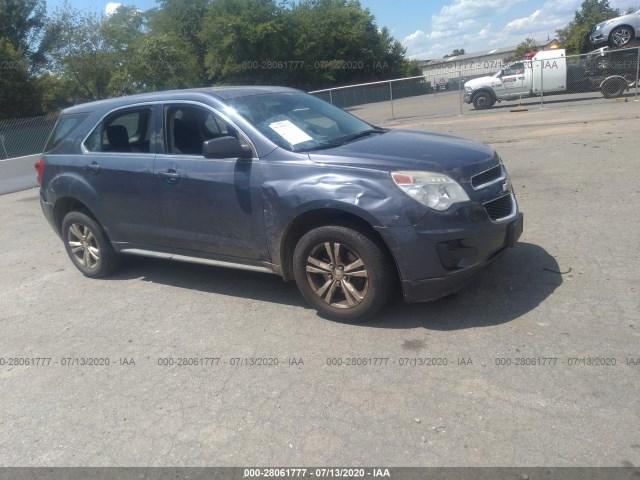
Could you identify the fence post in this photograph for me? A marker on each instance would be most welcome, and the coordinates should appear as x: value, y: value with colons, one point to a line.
x: 6, y: 154
x: 541, y: 84
x: 391, y: 93
x: 460, y: 89
x: 331, y: 96
x: 637, y: 73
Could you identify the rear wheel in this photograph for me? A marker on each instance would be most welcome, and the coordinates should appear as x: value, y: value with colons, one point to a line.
x: 613, y: 87
x: 87, y: 245
x: 621, y: 36
x: 342, y: 273
x: 482, y: 100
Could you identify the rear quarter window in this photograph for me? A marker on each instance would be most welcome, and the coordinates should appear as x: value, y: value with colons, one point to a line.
x: 64, y: 126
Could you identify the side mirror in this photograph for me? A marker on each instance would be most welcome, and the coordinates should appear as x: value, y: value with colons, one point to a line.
x: 225, y: 147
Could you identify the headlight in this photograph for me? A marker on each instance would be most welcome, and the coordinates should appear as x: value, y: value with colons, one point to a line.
x: 467, y: 89
x: 433, y: 190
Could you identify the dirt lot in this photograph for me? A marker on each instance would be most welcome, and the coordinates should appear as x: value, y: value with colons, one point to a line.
x: 535, y: 363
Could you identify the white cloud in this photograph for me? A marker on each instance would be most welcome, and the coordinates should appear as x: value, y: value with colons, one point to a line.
x: 477, y: 25
x: 111, y: 7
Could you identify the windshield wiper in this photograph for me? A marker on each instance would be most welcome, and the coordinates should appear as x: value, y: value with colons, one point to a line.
x: 343, y: 140
x: 355, y: 136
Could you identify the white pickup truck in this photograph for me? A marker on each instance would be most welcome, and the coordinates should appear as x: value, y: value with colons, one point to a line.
x: 546, y: 72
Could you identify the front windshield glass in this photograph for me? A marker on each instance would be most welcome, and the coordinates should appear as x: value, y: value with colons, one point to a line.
x: 299, y: 122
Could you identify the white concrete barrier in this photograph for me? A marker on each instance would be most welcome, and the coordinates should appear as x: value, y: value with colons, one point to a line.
x: 18, y: 174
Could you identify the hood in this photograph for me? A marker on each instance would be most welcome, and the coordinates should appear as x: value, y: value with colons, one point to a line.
x: 481, y: 82
x: 412, y: 150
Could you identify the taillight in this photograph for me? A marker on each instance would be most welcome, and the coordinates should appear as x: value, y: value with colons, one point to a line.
x: 40, y: 169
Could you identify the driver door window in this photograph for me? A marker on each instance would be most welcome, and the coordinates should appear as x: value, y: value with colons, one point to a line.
x: 188, y: 127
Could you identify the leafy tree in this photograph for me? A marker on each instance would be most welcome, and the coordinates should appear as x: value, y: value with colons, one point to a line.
x: 22, y: 23
x: 524, y: 47
x: 575, y: 36
x: 308, y: 44
x: 88, y: 49
x: 159, y: 63
x: 455, y: 53
x: 178, y: 24
x: 17, y: 92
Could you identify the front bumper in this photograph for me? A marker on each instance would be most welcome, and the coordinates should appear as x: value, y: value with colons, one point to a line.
x: 436, y: 263
x: 466, y: 98
x: 597, y: 38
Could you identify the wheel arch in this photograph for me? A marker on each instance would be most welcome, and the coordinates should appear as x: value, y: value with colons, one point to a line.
x: 311, y: 219
x: 64, y: 205
x: 631, y: 28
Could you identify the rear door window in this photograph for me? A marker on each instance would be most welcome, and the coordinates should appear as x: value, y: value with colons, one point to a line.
x: 125, y: 131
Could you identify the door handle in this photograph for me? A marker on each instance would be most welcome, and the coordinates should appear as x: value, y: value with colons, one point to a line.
x: 93, y: 168
x: 170, y: 176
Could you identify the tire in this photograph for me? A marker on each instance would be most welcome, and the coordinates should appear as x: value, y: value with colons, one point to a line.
x: 603, y: 63
x: 613, y: 87
x: 483, y: 100
x: 88, y: 246
x: 342, y: 273
x: 621, y: 36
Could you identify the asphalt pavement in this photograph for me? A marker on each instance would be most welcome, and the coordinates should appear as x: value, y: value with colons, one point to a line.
x: 536, y: 363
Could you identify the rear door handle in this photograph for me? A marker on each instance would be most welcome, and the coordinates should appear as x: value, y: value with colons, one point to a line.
x: 93, y: 168
x: 170, y: 176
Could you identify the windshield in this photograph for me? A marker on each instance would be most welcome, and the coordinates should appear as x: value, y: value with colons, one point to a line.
x: 299, y: 122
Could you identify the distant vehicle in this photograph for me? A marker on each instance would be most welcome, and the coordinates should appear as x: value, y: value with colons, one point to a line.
x: 618, y: 31
x: 441, y: 84
x: 271, y: 179
x: 613, y: 60
x: 546, y: 72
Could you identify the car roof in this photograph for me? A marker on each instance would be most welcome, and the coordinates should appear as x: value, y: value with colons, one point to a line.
x: 220, y: 93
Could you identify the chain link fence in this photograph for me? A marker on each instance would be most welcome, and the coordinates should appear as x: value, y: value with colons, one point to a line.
x: 24, y: 136
x: 553, y: 80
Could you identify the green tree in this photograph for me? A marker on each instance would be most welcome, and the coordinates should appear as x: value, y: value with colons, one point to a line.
x: 22, y: 23
x: 88, y: 50
x: 177, y: 25
x: 575, y: 36
x: 307, y: 44
x: 455, y: 53
x: 159, y: 63
x: 17, y: 92
x: 524, y: 47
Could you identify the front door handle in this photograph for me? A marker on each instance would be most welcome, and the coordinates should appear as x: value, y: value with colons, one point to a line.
x: 93, y: 168
x: 170, y: 176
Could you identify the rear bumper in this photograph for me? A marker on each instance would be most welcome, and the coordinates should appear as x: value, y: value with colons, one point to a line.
x: 434, y: 264
x: 47, y: 209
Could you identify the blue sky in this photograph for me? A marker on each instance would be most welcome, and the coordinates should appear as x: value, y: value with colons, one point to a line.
x: 432, y: 28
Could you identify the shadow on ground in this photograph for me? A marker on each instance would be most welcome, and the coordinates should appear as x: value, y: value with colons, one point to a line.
x: 512, y: 286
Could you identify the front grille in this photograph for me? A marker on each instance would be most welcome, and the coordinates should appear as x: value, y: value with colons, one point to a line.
x: 486, y: 177
x: 500, y: 208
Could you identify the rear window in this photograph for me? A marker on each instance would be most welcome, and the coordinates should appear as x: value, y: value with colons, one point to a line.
x: 64, y: 126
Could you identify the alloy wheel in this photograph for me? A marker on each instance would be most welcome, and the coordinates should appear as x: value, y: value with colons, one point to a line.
x: 337, y: 275
x: 84, y: 245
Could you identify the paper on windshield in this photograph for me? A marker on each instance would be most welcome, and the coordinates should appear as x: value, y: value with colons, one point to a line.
x: 290, y: 132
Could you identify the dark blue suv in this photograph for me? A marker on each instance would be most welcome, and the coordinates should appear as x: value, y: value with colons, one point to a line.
x: 274, y: 180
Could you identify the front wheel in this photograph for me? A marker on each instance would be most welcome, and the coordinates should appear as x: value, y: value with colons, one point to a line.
x: 482, y: 100
x: 88, y: 246
x: 620, y: 36
x: 342, y: 273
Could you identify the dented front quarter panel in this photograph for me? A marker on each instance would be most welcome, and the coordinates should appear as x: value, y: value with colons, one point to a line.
x: 293, y: 184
